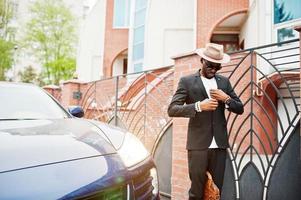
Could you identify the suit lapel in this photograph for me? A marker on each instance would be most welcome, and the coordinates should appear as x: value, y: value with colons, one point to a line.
x: 200, y: 84
x: 218, y: 82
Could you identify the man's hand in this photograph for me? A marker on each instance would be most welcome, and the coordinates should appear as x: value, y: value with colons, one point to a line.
x: 219, y: 95
x: 208, y: 104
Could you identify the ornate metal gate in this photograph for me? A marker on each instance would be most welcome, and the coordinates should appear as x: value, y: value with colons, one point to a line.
x: 264, y: 155
x: 136, y: 102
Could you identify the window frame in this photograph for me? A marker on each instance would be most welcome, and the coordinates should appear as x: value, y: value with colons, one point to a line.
x: 287, y: 24
x: 135, y: 27
x: 126, y: 20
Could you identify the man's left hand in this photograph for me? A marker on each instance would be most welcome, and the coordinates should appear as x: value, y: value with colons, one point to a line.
x: 218, y: 95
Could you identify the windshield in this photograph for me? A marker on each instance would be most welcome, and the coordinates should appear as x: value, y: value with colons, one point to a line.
x: 19, y: 101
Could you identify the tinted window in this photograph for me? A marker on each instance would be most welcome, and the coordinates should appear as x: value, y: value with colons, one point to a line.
x: 286, y: 10
x: 27, y: 102
x: 285, y: 34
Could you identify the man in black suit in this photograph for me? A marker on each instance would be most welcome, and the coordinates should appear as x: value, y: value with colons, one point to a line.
x: 203, y: 97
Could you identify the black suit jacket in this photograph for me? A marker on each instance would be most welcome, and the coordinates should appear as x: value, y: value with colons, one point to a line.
x: 206, y: 124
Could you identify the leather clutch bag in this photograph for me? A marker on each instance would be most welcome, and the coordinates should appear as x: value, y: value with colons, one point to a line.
x: 211, y: 191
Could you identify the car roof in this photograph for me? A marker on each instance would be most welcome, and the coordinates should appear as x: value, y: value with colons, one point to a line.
x: 17, y: 84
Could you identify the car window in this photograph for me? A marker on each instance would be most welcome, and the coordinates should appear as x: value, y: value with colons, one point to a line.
x: 27, y: 102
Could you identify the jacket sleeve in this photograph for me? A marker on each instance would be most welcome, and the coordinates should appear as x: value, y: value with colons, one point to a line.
x: 235, y: 104
x: 177, y: 107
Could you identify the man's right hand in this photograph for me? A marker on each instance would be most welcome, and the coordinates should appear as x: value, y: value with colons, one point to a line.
x: 208, y: 104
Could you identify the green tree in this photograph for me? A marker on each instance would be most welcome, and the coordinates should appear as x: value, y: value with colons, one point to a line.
x: 6, y: 13
x: 6, y: 45
x: 50, y: 34
x: 28, y: 75
x: 62, y: 69
x: 6, y: 57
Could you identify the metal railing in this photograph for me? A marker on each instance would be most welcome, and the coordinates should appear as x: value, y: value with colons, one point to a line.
x: 267, y: 79
x: 136, y: 102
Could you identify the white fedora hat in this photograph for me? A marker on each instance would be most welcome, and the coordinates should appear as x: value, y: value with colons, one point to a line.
x: 213, y: 53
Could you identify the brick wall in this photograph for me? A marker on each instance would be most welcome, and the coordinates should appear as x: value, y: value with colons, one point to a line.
x: 184, y: 65
x: 116, y: 40
x: 54, y: 90
x: 210, y: 13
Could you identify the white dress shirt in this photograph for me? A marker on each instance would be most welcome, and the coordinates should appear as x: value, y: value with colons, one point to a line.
x: 210, y: 84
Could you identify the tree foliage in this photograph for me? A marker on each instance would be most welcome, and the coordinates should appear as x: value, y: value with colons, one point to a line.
x: 28, y: 75
x: 6, y: 57
x: 62, y: 69
x: 6, y: 13
x: 50, y: 34
x: 6, y: 46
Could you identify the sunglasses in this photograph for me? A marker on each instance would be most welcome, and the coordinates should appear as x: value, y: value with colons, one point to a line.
x: 211, y: 65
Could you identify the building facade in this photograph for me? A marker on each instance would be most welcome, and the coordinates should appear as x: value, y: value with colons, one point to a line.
x: 119, y: 37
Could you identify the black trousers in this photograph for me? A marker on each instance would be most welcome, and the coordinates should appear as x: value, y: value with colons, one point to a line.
x: 199, y: 161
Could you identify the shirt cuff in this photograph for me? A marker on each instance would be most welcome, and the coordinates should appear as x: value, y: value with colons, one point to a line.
x: 197, y: 106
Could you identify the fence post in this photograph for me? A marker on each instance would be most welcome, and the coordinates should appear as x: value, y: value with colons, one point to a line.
x: 298, y: 28
x: 71, y: 93
x: 116, y: 101
x: 145, y: 94
x: 54, y: 90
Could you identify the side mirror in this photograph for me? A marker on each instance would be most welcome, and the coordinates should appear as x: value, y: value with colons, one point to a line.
x: 76, y: 111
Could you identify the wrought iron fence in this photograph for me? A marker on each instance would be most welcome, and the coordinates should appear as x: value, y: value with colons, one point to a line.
x: 136, y: 102
x: 267, y: 79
